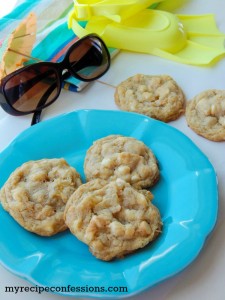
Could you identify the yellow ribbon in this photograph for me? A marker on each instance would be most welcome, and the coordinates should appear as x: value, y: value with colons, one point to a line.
x: 114, y: 10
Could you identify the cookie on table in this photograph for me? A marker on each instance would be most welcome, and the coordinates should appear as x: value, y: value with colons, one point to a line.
x: 36, y: 193
x: 117, y: 156
x: 113, y: 218
x: 205, y: 114
x: 158, y: 97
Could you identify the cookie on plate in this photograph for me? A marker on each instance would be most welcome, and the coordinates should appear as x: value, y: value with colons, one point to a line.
x: 113, y: 218
x: 117, y: 156
x: 158, y: 97
x: 205, y: 114
x: 36, y: 193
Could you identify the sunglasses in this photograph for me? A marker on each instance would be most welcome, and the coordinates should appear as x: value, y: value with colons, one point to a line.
x: 34, y: 87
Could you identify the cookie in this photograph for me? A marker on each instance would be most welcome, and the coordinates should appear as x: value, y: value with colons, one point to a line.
x: 158, y: 97
x: 205, y: 114
x: 36, y: 193
x: 113, y: 218
x: 117, y: 156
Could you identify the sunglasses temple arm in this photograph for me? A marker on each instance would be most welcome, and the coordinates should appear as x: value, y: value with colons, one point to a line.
x: 37, y: 114
x: 36, y: 117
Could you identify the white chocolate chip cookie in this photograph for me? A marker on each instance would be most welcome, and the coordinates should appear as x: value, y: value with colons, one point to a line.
x: 205, y: 114
x: 36, y: 193
x: 158, y: 97
x: 113, y: 218
x: 117, y: 156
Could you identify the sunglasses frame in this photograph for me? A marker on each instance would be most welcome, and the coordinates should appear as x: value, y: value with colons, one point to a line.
x: 59, y: 67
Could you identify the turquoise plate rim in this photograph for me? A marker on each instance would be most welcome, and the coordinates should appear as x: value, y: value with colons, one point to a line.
x: 187, y: 218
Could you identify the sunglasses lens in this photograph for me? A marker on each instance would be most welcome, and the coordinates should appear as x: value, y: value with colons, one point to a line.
x: 32, y: 88
x: 89, y: 58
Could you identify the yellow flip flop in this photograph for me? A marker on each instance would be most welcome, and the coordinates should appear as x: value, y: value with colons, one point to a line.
x: 192, y: 40
x: 204, y: 44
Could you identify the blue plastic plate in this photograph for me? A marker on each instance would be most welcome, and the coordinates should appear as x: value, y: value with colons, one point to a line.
x: 186, y: 196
